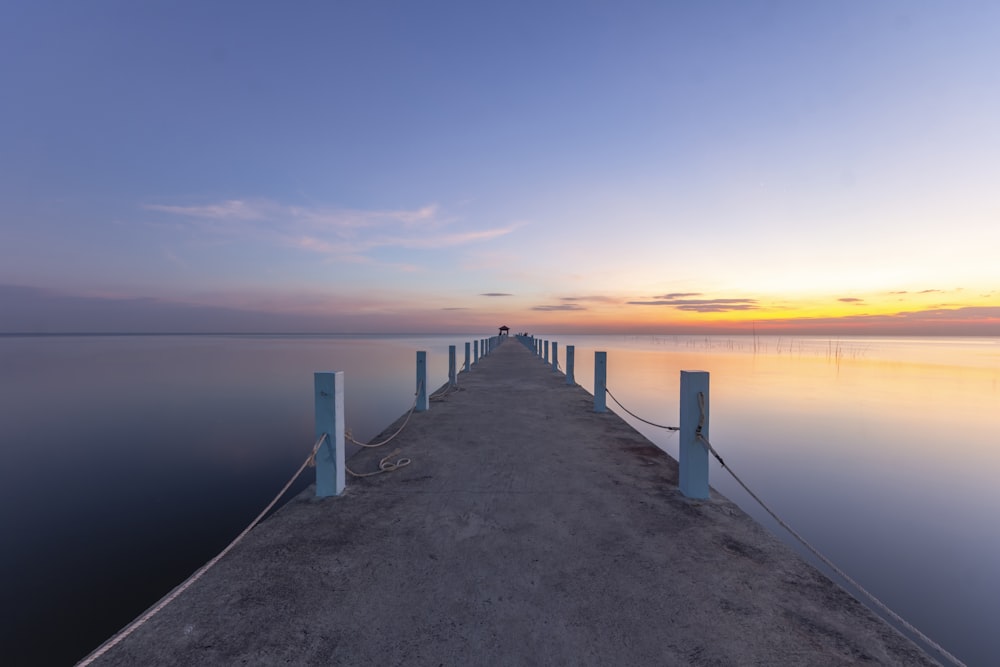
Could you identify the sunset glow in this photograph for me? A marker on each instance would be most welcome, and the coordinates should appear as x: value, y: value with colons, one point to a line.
x: 384, y: 167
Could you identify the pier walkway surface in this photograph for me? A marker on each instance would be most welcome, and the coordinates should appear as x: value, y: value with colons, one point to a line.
x: 528, y: 530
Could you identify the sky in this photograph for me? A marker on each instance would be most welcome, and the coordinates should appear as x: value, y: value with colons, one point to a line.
x: 561, y: 167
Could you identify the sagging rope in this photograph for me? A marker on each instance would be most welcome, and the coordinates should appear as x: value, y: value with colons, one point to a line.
x: 187, y: 583
x: 870, y: 596
x: 384, y: 465
x: 416, y: 397
x: 669, y: 428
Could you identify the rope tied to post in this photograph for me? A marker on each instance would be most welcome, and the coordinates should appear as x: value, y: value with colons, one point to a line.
x: 700, y: 437
x: 646, y: 421
x: 311, y: 461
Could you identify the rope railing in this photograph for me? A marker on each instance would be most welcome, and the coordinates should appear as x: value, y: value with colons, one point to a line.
x: 122, y: 634
x: 813, y: 550
x: 384, y: 465
x: 646, y: 421
x: 373, y: 445
x: 443, y: 394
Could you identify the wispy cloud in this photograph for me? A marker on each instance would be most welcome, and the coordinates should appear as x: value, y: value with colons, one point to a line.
x: 677, y: 295
x: 967, y: 320
x: 231, y: 209
x: 495, y: 294
x: 699, y: 305
x: 340, y: 233
x: 850, y: 299
x: 591, y: 299
x: 559, y: 307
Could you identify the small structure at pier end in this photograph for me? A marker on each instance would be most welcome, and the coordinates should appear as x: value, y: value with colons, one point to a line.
x: 504, y: 331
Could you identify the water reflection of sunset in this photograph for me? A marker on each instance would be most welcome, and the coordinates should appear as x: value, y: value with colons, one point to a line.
x: 881, y: 451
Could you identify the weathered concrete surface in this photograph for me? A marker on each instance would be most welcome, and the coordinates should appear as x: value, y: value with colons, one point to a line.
x: 527, y: 531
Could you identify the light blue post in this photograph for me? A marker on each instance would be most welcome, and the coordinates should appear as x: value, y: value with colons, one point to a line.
x: 546, y: 357
x: 423, y: 402
x: 600, y: 381
x: 475, y: 359
x: 555, y: 356
x: 452, y: 375
x: 468, y: 361
x: 693, y: 453
x: 330, y: 421
x: 570, y: 357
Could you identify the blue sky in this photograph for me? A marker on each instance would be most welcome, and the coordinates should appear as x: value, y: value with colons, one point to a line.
x: 370, y: 166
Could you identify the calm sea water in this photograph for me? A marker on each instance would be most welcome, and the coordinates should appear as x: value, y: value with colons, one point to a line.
x: 129, y: 461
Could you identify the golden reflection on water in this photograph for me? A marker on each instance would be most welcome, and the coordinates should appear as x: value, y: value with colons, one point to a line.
x: 882, y: 452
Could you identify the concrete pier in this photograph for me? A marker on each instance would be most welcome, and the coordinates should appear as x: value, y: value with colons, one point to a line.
x: 528, y: 530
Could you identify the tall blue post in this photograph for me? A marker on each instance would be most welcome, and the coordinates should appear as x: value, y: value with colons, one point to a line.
x: 468, y: 358
x: 546, y: 357
x: 475, y: 359
x: 329, y: 388
x: 694, y: 422
x: 423, y: 402
x: 600, y: 381
x: 570, y: 358
x: 452, y: 371
x: 555, y: 356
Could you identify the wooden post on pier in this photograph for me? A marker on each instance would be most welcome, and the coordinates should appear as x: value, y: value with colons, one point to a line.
x: 570, y: 358
x: 423, y: 402
x: 600, y: 381
x: 468, y: 358
x: 329, y: 387
x: 555, y: 356
x: 475, y: 358
x: 546, y: 357
x: 693, y: 458
x: 452, y: 371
